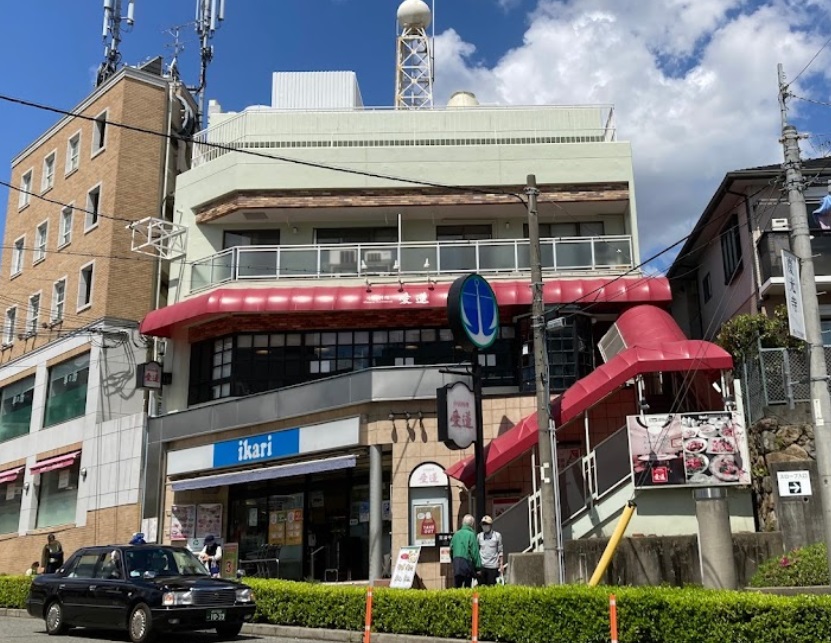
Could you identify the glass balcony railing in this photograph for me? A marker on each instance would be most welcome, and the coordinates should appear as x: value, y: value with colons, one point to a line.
x: 578, y: 254
x: 770, y: 253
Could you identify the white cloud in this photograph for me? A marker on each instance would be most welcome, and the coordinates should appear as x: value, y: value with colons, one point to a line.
x: 507, y: 5
x: 693, y: 83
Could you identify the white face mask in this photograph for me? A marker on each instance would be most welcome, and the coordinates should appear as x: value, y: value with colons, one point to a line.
x: 486, y: 528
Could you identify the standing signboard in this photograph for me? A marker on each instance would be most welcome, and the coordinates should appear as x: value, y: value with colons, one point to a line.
x: 403, y: 574
x: 230, y: 560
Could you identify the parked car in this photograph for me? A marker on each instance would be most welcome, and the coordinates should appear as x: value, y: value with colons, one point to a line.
x: 144, y: 589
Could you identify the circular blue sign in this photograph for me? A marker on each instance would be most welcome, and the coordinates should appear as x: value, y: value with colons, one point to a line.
x: 473, y: 312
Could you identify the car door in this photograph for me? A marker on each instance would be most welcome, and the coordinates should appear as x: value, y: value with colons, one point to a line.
x: 110, y: 592
x: 73, y: 588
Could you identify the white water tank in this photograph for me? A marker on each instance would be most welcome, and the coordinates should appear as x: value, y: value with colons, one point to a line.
x: 462, y: 99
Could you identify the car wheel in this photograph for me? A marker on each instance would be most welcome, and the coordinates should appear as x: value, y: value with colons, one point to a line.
x: 228, y: 631
x: 53, y: 618
x: 140, y: 624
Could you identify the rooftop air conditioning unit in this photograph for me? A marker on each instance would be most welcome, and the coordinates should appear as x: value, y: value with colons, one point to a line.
x: 779, y: 225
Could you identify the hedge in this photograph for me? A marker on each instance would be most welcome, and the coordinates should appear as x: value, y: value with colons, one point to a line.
x: 577, y: 614
x: 797, y: 568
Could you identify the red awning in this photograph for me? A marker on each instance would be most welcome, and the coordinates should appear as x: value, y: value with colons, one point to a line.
x: 53, y: 464
x: 316, y: 298
x: 10, y: 475
x: 684, y: 355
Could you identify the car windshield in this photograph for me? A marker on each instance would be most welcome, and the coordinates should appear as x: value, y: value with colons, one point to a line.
x: 150, y: 562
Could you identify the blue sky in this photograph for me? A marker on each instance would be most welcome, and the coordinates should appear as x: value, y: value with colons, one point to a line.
x: 694, y: 83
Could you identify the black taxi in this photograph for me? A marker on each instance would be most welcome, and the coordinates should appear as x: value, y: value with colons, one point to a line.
x: 145, y: 590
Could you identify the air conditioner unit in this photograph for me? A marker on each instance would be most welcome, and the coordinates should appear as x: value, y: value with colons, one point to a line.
x: 779, y: 225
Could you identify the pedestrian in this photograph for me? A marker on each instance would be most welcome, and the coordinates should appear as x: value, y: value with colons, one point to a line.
x: 33, y: 570
x: 490, y: 549
x: 137, y: 539
x: 211, y: 554
x: 51, y: 559
x: 464, y: 552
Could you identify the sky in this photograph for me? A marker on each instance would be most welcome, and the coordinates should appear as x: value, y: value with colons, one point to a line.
x: 693, y: 82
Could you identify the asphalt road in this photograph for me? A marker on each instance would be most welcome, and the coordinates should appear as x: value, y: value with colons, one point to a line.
x: 29, y: 630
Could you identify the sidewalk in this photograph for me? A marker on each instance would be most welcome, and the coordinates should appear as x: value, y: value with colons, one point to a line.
x: 303, y: 633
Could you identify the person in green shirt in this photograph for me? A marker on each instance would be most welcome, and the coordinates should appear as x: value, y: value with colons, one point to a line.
x: 464, y: 553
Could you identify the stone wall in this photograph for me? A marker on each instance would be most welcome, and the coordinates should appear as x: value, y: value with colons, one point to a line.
x: 786, y: 436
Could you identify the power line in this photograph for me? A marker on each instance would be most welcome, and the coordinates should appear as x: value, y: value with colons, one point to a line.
x: 810, y: 62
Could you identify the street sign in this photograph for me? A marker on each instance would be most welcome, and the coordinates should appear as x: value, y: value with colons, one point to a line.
x: 794, y: 483
x: 473, y: 312
x: 793, y: 295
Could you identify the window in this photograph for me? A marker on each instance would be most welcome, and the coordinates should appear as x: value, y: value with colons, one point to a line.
x: 73, y: 153
x: 85, y: 286
x: 40, y: 241
x: 825, y: 327
x: 16, y: 408
x: 707, y: 288
x: 33, y: 314
x: 25, y: 190
x: 234, y: 238
x: 66, y: 226
x: 9, y: 325
x: 66, y: 397
x: 99, y: 133
x: 11, y: 495
x: 731, y: 249
x: 48, y: 180
x: 57, y: 499
x: 93, y: 203
x: 464, y: 232
x: 58, y: 299
x: 82, y: 566
x: 17, y: 256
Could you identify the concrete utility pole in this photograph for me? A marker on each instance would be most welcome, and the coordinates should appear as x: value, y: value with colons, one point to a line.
x: 549, y: 496
x: 817, y: 371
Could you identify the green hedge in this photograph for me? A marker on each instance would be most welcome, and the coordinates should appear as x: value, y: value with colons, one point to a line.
x: 13, y: 591
x: 797, y: 568
x: 577, y: 614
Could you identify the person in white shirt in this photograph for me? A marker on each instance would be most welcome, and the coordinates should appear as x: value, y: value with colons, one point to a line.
x: 211, y: 554
x: 490, y: 549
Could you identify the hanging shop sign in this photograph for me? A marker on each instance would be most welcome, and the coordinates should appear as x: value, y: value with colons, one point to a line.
x: 473, y: 312
x: 456, y: 415
x: 149, y: 375
x: 688, y: 450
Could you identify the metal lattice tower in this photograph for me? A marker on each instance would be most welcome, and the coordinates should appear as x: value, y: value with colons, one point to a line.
x: 414, y: 62
x: 112, y: 37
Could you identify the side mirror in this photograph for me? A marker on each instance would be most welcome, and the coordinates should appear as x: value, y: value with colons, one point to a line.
x: 240, y: 573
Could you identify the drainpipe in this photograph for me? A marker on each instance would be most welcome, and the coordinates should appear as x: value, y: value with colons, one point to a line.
x: 755, y: 267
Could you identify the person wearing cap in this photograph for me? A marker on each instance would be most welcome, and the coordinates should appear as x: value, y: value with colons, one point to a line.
x: 137, y: 539
x: 211, y: 554
x: 464, y: 553
x: 490, y: 548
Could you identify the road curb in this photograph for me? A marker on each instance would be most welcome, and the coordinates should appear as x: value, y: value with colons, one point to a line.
x: 8, y: 612
x: 339, y: 636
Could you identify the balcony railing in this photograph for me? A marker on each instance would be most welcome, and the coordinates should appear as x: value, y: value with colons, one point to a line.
x: 575, y: 254
x: 770, y: 254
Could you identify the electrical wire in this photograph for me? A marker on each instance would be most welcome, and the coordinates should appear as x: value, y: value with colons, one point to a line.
x: 810, y: 62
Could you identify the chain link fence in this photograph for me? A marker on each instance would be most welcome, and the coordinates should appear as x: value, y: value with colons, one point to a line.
x: 776, y: 375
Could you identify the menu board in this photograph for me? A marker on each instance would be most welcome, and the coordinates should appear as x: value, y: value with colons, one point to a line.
x: 294, y: 527
x: 182, y: 522
x: 208, y: 520
x: 276, y: 527
x: 689, y: 449
x: 404, y: 572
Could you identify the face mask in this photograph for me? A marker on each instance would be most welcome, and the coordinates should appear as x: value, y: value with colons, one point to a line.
x: 486, y: 528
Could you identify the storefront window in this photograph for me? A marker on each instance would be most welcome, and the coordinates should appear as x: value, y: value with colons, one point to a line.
x: 58, y: 495
x: 16, y: 408
x: 10, y: 497
x: 67, y: 395
x: 253, y: 363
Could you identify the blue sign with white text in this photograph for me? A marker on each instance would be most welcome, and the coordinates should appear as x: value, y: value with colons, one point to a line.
x: 473, y: 312
x: 257, y: 448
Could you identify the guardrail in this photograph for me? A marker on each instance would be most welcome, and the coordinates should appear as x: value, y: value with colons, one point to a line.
x: 608, y: 253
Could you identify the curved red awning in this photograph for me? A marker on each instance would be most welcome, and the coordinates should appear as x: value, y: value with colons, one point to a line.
x: 682, y: 355
x: 53, y: 464
x: 330, y: 297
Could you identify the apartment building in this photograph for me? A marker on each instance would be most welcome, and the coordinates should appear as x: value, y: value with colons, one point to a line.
x: 71, y: 416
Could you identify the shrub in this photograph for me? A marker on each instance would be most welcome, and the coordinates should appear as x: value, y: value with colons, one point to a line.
x: 13, y: 591
x: 797, y: 568
x: 577, y: 614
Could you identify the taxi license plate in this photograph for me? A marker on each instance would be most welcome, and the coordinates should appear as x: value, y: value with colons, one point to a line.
x: 215, y: 616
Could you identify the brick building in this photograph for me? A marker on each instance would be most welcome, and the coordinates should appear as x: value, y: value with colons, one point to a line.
x: 71, y: 418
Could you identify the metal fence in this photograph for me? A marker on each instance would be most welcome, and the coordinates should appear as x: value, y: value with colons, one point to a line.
x: 777, y: 376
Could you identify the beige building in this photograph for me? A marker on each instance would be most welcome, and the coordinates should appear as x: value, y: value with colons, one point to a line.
x: 71, y: 416
x: 306, y: 331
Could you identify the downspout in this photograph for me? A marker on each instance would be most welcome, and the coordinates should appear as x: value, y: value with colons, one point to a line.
x: 754, y: 264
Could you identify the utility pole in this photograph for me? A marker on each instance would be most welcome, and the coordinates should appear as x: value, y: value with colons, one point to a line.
x: 817, y: 371
x: 549, y: 490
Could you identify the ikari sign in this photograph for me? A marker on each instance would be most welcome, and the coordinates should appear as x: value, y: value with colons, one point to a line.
x: 473, y: 312
x: 258, y: 448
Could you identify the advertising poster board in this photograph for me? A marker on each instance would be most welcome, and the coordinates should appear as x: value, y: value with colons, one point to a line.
x: 208, y: 520
x: 277, y: 528
x: 403, y: 574
x: 182, y: 522
x: 294, y: 527
x: 688, y: 450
